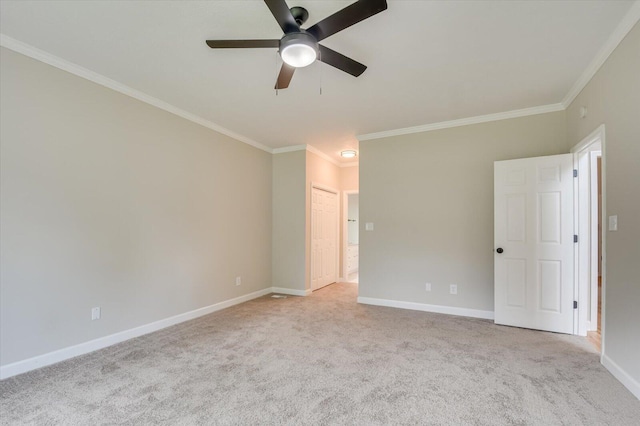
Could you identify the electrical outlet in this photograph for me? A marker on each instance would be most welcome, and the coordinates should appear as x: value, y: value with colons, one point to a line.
x: 238, y: 280
x: 95, y: 313
x: 427, y: 286
x: 453, y: 289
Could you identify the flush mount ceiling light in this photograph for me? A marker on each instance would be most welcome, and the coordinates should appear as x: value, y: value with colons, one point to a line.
x: 298, y: 49
x: 349, y: 153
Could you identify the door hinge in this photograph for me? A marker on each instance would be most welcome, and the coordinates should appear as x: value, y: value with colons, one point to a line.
x: 575, y: 304
x: 575, y: 238
x: 575, y: 172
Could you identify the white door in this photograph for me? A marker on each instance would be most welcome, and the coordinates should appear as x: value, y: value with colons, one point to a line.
x: 324, y: 238
x: 534, y: 248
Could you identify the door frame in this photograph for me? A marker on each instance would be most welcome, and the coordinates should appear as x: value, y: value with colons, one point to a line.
x: 345, y: 230
x: 329, y: 189
x: 586, y: 290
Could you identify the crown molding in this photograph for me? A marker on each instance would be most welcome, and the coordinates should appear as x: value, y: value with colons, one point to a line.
x: 322, y: 155
x: 464, y: 121
x: 290, y: 148
x: 621, y: 31
x: 57, y: 62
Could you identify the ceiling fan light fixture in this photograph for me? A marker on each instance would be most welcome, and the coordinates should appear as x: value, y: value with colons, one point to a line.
x: 298, y: 49
x: 348, y: 153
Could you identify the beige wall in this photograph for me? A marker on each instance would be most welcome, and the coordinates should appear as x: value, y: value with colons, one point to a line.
x: 289, y: 192
x: 349, y: 178
x: 430, y: 197
x: 612, y: 97
x: 322, y: 172
x: 107, y: 201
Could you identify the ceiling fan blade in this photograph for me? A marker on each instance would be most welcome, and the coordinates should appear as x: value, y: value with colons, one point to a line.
x: 281, y: 12
x: 338, y: 60
x: 284, y: 78
x: 352, y: 14
x: 235, y: 44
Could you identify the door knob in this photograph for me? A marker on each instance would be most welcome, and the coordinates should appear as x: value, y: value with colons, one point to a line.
x: 499, y: 250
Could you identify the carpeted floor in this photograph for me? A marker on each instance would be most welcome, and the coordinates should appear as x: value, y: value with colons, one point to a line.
x: 324, y: 359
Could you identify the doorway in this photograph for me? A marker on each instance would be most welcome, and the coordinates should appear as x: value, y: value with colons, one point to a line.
x: 351, y: 238
x: 588, y: 163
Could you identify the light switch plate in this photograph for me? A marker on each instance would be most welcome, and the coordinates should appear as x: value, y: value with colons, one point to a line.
x: 368, y: 226
x: 613, y: 223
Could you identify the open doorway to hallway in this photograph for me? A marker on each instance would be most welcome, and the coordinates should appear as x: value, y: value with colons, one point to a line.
x: 351, y: 242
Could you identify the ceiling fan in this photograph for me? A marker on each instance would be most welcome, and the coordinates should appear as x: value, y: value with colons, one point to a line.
x: 299, y: 47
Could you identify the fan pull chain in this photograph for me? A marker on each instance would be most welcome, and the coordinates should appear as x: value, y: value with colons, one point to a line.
x: 277, y: 71
x: 320, y: 69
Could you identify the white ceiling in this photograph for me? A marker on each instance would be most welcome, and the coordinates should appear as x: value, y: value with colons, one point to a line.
x: 429, y: 61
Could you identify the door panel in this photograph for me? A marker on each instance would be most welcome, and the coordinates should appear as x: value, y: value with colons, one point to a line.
x: 550, y: 284
x: 533, y: 211
x: 516, y: 282
x: 324, y: 238
x: 516, y: 218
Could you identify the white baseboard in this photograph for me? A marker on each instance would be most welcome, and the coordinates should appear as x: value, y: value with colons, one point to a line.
x: 290, y: 291
x: 54, y: 357
x: 622, y: 376
x: 449, y: 310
